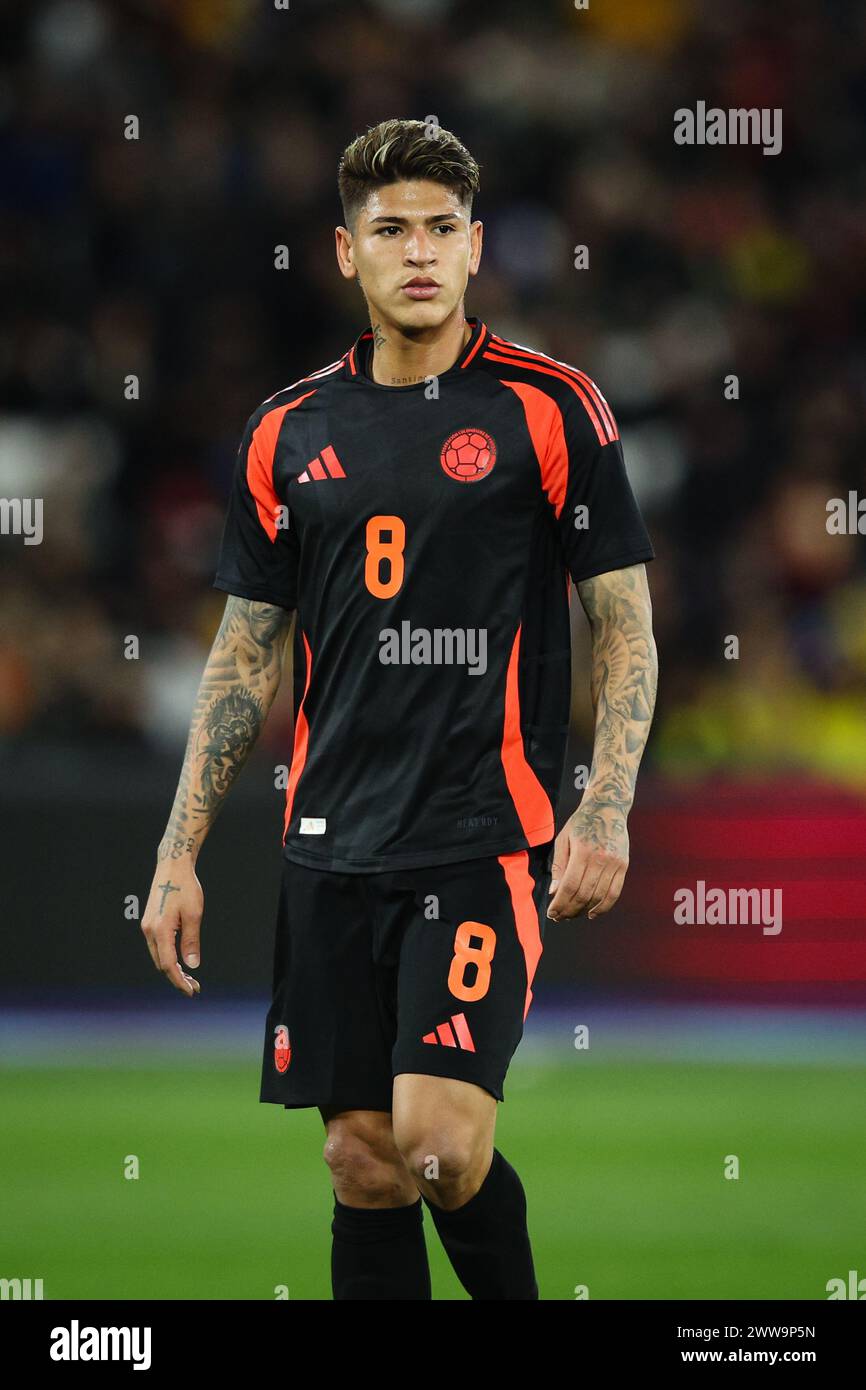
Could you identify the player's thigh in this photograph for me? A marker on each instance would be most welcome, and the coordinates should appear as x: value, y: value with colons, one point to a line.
x: 442, y: 1124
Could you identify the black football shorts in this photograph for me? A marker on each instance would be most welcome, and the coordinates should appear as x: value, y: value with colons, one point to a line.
x: 422, y: 970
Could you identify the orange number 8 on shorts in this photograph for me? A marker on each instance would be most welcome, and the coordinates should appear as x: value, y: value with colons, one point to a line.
x: 465, y: 954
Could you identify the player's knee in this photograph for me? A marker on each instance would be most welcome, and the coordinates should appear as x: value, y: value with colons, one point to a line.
x: 441, y: 1158
x: 363, y: 1162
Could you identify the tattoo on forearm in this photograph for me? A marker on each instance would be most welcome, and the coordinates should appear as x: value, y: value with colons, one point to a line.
x: 176, y: 848
x: 623, y: 683
x: 230, y: 729
x: 237, y: 689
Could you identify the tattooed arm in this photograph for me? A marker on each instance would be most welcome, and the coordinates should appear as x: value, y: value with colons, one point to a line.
x: 591, y: 854
x: 237, y: 689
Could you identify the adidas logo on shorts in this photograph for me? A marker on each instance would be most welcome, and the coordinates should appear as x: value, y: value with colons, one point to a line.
x: 445, y: 1035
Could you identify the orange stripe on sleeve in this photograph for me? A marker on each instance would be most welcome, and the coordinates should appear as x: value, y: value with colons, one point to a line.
x: 528, y: 366
x: 520, y: 886
x: 516, y: 353
x: 547, y: 432
x: 260, y: 464
x: 613, y: 428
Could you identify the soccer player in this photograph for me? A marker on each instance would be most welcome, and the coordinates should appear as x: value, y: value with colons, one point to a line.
x: 418, y: 511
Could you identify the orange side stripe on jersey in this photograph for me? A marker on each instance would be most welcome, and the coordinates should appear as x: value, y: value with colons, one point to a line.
x: 446, y: 1037
x: 302, y: 737
x: 527, y: 366
x: 517, y: 353
x: 520, y: 886
x: 260, y: 464
x: 530, y: 799
x: 332, y: 463
x: 547, y: 432
x: 316, y: 469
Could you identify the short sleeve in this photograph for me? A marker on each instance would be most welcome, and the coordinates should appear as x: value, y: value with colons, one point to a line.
x: 259, y: 552
x: 600, y: 524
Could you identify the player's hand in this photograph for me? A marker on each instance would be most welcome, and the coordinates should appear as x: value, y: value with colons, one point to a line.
x: 590, y: 859
x: 175, y: 904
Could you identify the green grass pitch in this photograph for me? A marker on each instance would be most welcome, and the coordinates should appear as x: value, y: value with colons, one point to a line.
x: 623, y: 1166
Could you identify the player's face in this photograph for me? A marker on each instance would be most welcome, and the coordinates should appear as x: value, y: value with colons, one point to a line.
x: 415, y: 231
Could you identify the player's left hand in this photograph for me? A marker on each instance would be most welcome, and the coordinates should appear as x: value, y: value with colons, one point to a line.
x: 590, y: 859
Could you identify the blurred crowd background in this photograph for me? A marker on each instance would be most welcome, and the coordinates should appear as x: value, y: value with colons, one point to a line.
x: 155, y: 257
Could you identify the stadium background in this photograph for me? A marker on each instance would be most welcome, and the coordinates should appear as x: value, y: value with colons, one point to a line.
x: 156, y: 257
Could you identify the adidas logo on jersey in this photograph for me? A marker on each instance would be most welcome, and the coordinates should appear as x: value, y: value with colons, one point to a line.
x: 324, y: 465
x: 458, y: 1036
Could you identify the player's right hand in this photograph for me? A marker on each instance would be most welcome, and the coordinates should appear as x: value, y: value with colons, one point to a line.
x: 175, y: 904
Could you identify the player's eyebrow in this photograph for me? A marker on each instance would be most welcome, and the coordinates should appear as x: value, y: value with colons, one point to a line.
x: 435, y: 217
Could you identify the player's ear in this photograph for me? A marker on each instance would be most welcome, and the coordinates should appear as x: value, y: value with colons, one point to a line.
x: 476, y: 237
x: 345, y: 255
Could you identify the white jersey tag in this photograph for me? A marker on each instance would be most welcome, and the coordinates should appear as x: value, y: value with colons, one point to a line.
x: 313, y: 825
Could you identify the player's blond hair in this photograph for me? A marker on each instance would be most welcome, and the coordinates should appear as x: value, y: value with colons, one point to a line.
x: 402, y: 149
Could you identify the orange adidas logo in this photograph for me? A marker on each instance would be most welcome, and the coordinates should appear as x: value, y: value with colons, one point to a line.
x: 445, y: 1035
x: 317, y: 467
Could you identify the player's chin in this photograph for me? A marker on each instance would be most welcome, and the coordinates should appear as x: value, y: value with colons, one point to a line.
x: 423, y: 313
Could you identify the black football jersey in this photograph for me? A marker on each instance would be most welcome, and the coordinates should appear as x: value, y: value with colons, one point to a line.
x: 428, y: 536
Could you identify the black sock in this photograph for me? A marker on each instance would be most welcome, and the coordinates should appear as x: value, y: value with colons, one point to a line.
x: 486, y: 1239
x: 379, y: 1252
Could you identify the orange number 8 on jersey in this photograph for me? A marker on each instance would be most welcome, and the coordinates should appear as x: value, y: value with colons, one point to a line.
x: 379, y: 550
x: 465, y: 954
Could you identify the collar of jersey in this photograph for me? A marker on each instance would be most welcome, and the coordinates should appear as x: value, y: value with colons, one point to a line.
x: 353, y: 370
